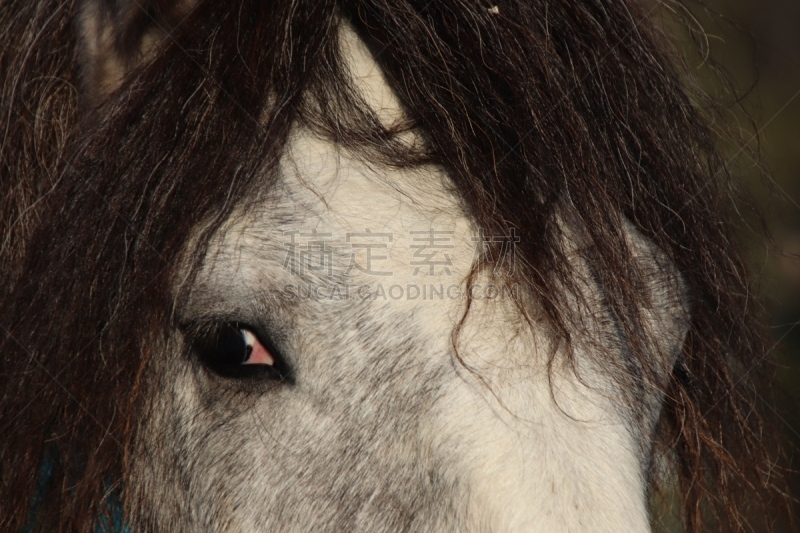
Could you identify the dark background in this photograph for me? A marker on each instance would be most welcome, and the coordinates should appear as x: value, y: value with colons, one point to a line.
x: 756, y: 44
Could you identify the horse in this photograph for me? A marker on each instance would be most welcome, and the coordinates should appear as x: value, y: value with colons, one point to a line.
x: 368, y: 266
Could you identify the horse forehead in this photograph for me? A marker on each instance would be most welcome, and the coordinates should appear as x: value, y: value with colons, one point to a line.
x: 328, y: 193
x: 334, y: 218
x: 344, y: 191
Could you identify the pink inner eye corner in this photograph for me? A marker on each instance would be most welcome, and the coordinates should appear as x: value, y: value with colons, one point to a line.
x: 257, y: 354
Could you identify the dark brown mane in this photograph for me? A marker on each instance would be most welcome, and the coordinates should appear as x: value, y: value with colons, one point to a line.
x: 542, y: 105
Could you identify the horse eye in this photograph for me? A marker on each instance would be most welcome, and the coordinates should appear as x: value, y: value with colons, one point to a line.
x: 233, y: 350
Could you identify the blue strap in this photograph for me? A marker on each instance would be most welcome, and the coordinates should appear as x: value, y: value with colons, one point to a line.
x: 37, y: 502
x: 111, y: 519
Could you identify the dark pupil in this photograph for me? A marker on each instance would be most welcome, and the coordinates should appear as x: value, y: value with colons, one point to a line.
x: 227, y: 347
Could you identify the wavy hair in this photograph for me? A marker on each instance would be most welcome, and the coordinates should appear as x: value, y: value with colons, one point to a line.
x: 529, y: 105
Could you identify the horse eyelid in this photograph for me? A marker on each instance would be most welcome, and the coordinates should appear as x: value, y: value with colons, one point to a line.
x: 206, y: 339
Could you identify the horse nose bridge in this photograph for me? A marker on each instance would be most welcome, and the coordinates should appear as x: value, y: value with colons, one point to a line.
x: 539, y: 451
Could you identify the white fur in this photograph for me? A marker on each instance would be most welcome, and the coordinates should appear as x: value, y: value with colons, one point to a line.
x: 517, y: 457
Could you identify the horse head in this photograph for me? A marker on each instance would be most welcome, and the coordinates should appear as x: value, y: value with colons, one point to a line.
x: 376, y: 266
